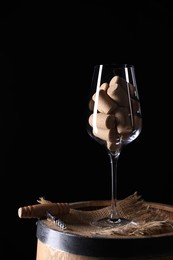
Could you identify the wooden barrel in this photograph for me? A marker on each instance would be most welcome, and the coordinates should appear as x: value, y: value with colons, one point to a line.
x: 54, y: 243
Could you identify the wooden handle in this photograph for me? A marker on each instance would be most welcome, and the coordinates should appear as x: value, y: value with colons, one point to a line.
x: 40, y: 210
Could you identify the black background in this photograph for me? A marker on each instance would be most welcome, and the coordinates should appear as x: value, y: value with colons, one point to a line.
x: 47, y: 56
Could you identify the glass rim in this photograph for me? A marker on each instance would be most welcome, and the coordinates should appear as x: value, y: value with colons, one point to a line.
x: 116, y: 65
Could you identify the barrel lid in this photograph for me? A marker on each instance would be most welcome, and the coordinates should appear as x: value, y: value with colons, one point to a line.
x: 102, y: 246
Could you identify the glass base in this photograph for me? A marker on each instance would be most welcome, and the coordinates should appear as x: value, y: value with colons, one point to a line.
x: 111, y: 223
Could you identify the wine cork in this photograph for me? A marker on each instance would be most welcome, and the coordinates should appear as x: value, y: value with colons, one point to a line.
x: 104, y: 86
x: 137, y: 121
x: 91, y: 105
x: 105, y: 103
x: 119, y: 80
x: 106, y: 121
x: 123, y: 120
x: 135, y: 106
x: 118, y: 94
x: 40, y: 210
x: 137, y: 126
x: 110, y: 135
x: 126, y: 136
x: 113, y: 146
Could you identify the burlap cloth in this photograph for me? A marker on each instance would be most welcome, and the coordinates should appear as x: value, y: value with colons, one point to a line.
x: 145, y: 220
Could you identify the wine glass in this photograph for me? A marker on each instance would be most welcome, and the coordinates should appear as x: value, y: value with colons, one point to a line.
x: 114, y: 120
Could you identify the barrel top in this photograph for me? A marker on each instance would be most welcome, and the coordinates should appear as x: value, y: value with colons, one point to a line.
x: 80, y: 237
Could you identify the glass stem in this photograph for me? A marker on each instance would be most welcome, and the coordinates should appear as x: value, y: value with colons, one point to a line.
x: 114, y: 161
